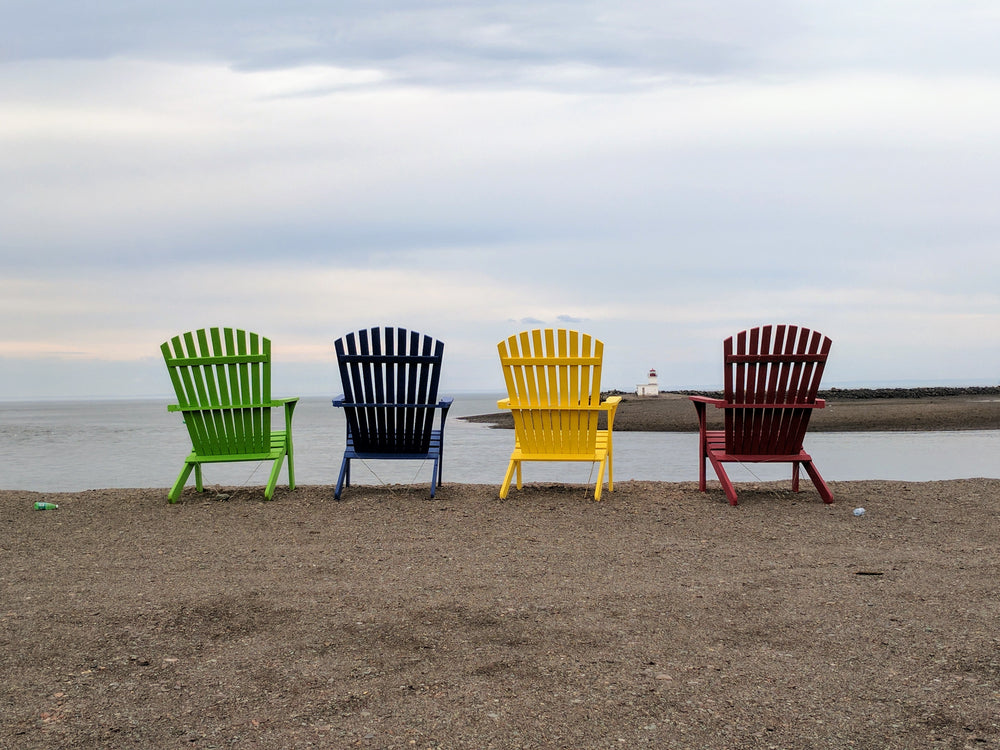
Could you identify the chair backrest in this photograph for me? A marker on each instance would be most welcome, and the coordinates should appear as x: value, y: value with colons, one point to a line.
x: 553, y: 379
x: 776, y: 365
x: 222, y: 379
x: 390, y: 378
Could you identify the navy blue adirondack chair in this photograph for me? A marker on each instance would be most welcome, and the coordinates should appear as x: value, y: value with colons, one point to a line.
x: 390, y: 378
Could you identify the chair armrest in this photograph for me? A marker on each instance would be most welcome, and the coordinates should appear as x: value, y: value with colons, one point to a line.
x: 289, y: 404
x: 444, y: 405
x: 717, y: 402
x: 700, y: 404
x: 821, y: 403
x: 503, y: 403
x: 611, y: 406
x: 339, y: 400
x: 232, y: 407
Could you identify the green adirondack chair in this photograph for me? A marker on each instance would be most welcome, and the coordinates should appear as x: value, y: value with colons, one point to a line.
x: 222, y: 378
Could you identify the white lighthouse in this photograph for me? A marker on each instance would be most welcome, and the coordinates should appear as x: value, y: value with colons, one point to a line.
x: 650, y: 388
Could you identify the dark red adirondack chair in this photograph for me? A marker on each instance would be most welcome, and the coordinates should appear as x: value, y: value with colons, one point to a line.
x: 772, y: 375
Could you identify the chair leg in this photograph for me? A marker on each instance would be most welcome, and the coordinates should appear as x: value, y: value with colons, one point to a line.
x: 611, y: 471
x: 727, y: 484
x: 434, y: 477
x: 821, y: 486
x: 795, y: 476
x: 702, y: 445
x: 345, y: 468
x: 272, y: 481
x: 600, y: 481
x: 505, y: 487
x: 198, y: 485
x: 178, y: 488
x: 291, y: 467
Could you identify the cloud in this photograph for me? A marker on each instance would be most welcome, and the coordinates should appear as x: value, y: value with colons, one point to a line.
x: 461, y: 43
x: 588, y: 45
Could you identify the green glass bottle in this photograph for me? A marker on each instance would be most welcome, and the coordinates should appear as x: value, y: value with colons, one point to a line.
x: 46, y: 506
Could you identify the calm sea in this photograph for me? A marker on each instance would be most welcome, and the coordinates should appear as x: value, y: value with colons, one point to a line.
x: 79, y: 445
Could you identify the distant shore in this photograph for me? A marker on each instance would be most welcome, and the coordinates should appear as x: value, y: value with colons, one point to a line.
x: 847, y: 410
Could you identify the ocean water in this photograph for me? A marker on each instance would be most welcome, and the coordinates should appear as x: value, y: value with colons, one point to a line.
x: 78, y: 445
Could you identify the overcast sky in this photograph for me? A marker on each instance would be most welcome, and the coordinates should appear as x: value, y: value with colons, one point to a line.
x: 658, y: 174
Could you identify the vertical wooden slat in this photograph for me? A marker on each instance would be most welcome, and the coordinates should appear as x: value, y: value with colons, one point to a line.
x: 735, y: 372
x: 241, y: 392
x: 783, y: 343
x: 371, y: 416
x: 422, y: 427
x: 551, y: 421
x: 357, y: 418
x: 412, y: 416
x: 729, y: 394
x: 260, y: 392
x: 436, y: 349
x: 215, y: 383
x: 378, y: 382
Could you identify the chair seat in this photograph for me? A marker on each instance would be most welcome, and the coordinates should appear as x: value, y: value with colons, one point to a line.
x: 716, y: 445
x: 599, y: 453
x: 279, y: 447
x: 433, y: 450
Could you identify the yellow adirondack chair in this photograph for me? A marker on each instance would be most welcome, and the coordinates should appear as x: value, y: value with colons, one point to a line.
x: 553, y: 379
x: 222, y: 379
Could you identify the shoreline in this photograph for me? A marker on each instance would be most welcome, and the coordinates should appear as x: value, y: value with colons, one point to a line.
x: 856, y: 410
